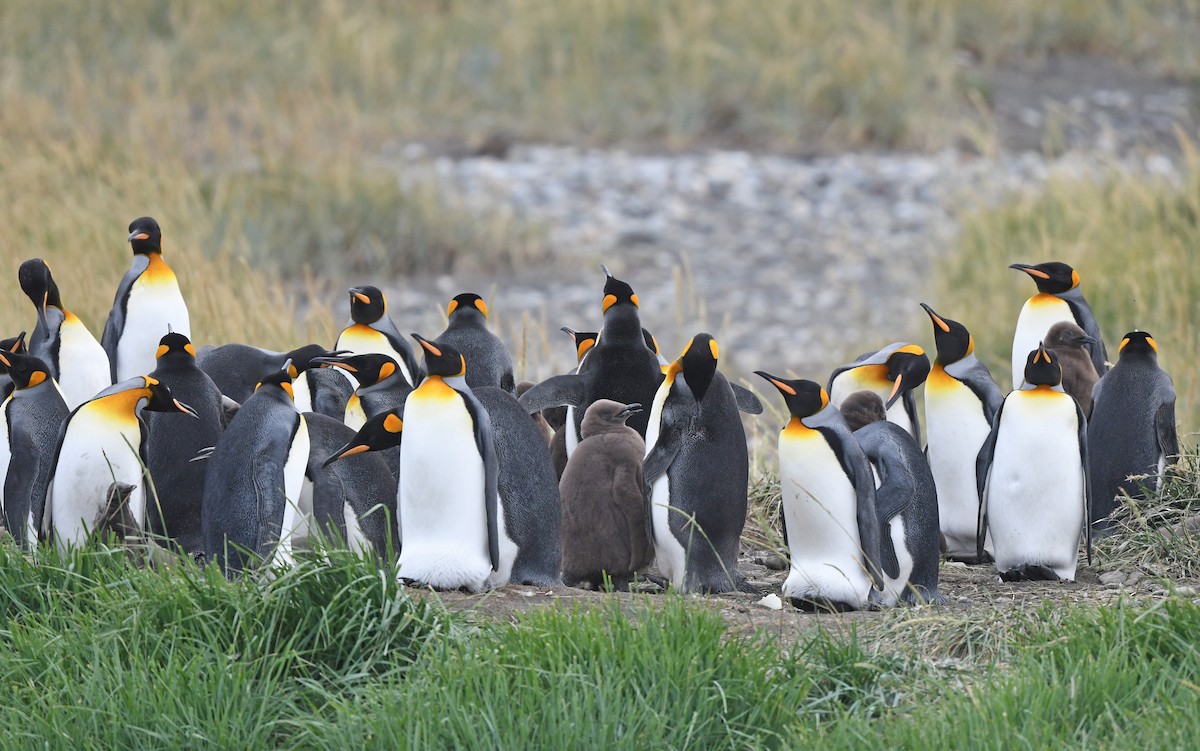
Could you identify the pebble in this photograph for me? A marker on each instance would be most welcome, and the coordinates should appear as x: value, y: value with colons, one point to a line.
x: 773, y: 562
x: 771, y: 602
x: 1115, y: 578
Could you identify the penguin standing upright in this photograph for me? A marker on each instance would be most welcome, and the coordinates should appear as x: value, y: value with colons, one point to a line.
x: 254, y: 506
x: 103, y: 441
x: 1034, y: 491
x: 561, y: 416
x: 148, y: 304
x: 74, y: 358
x: 1131, y: 432
x: 894, y: 373
x: 829, y: 515
x: 488, y: 361
x: 605, y: 527
x: 371, y: 330
x: 619, y: 367
x: 31, y: 417
x: 178, y: 481
x: 1058, y: 299
x: 1071, y: 344
x: 697, y: 470
x: 905, y: 499
x: 961, y: 398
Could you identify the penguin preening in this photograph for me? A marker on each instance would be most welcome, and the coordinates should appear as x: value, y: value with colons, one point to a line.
x: 961, y: 398
x: 101, y: 442
x: 371, y: 330
x: 488, y: 360
x: 697, y: 472
x: 605, y: 528
x: 148, y: 304
x: 1033, y: 479
x: 830, y: 520
x: 1058, y: 299
x: 894, y: 373
x: 905, y: 499
x: 1131, y: 433
x: 1072, y: 345
x: 75, y: 359
x: 11, y: 344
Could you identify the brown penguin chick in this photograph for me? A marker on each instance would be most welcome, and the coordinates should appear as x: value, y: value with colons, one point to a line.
x: 117, y: 522
x: 1070, y: 343
x: 538, y: 420
x: 605, y: 532
x: 862, y: 408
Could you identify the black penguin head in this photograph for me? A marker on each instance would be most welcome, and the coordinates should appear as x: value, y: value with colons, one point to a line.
x: 803, y: 398
x: 175, y: 348
x: 584, y: 340
x: 383, y: 431
x: 145, y: 236
x: 862, y: 408
x: 367, y: 369
x: 14, y: 344
x: 697, y: 364
x: 463, y: 304
x: 441, y: 359
x: 301, y: 358
x: 25, y: 370
x: 1052, y: 277
x: 908, y: 367
x: 951, y: 338
x: 367, y: 304
x: 281, y: 378
x: 1042, y: 368
x: 1137, y: 343
x: 38, y: 285
x: 617, y: 292
x: 162, y: 400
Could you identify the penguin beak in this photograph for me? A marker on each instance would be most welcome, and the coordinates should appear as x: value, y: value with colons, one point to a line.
x: 778, y: 383
x: 892, y: 397
x: 4, y: 360
x: 333, y: 361
x: 937, y: 320
x: 137, y: 235
x: 607, y: 273
x: 42, y: 311
x: 567, y: 330
x: 1029, y: 269
x: 427, y: 345
x: 17, y: 344
x: 630, y: 409
x: 345, y: 451
x: 185, y: 409
x: 357, y: 294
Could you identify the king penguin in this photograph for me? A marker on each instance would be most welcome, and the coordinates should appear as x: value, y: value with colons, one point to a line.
x: 488, y: 361
x: 381, y: 385
x: 148, y: 305
x: 961, y: 398
x: 1034, y: 491
x: 14, y: 344
x: 450, y: 520
x: 178, y: 481
x: 238, y: 368
x: 619, y: 367
x: 894, y: 373
x: 1131, y: 431
x: 74, y: 358
x: 559, y: 417
x: 371, y: 330
x: 32, y: 417
x: 905, y: 499
x: 1058, y: 299
x: 829, y: 517
x: 254, y: 509
x: 696, y: 472
x: 103, y: 441
x: 1072, y: 345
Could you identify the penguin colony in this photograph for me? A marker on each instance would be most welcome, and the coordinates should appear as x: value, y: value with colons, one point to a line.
x: 433, y: 457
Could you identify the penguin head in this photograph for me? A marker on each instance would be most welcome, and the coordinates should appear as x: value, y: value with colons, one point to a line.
x: 908, y: 367
x: 175, y: 348
x: 584, y: 340
x: 367, y: 304
x: 951, y: 338
x: 617, y: 293
x: 367, y: 369
x: 697, y: 365
x: 1052, y: 277
x: 441, y: 359
x: 1138, y: 343
x: 862, y: 408
x: 14, y: 344
x: 160, y: 399
x: 25, y: 370
x: 281, y: 378
x: 38, y: 285
x: 145, y: 236
x: 606, y: 415
x: 1042, y: 368
x: 383, y: 431
x: 301, y: 358
x: 803, y: 398
x: 1068, y: 335
x: 467, y: 305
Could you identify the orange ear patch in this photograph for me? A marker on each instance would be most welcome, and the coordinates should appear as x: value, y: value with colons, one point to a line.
x: 481, y: 306
x: 712, y: 346
x: 36, y: 377
x: 636, y: 304
x: 189, y: 349
x: 393, y: 424
x: 609, y: 301
x: 387, y: 369
x: 162, y: 350
x: 453, y: 306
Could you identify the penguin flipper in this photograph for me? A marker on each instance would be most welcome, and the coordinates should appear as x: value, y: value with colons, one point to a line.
x: 1088, y: 504
x: 858, y: 468
x: 555, y: 391
x: 116, y: 316
x: 910, y: 408
x: 983, y: 468
x: 1164, y: 427
x: 747, y: 400
x: 887, y: 553
x: 491, y: 473
x: 656, y: 464
x: 229, y: 409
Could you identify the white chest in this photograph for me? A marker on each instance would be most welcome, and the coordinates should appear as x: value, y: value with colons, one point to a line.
x: 154, y: 308
x: 1039, y: 314
x: 83, y: 368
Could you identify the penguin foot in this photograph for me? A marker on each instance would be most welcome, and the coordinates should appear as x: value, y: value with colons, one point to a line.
x: 1030, y: 572
x: 747, y: 587
x: 821, y: 605
x: 971, y: 560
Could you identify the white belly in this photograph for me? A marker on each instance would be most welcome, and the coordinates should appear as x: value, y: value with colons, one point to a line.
x: 5, y: 449
x: 894, y: 588
x: 669, y: 555
x: 302, y: 394
x: 150, y: 311
x: 508, y: 550
x: 821, y: 511
x: 94, y: 453
x: 1039, y: 314
x: 354, y: 417
x: 441, y: 497
x: 854, y: 380
x: 298, y: 511
x: 957, y: 429
x: 83, y: 369
x: 1035, y: 501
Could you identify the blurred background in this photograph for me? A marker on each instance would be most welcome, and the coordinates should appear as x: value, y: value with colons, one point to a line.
x: 794, y: 177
